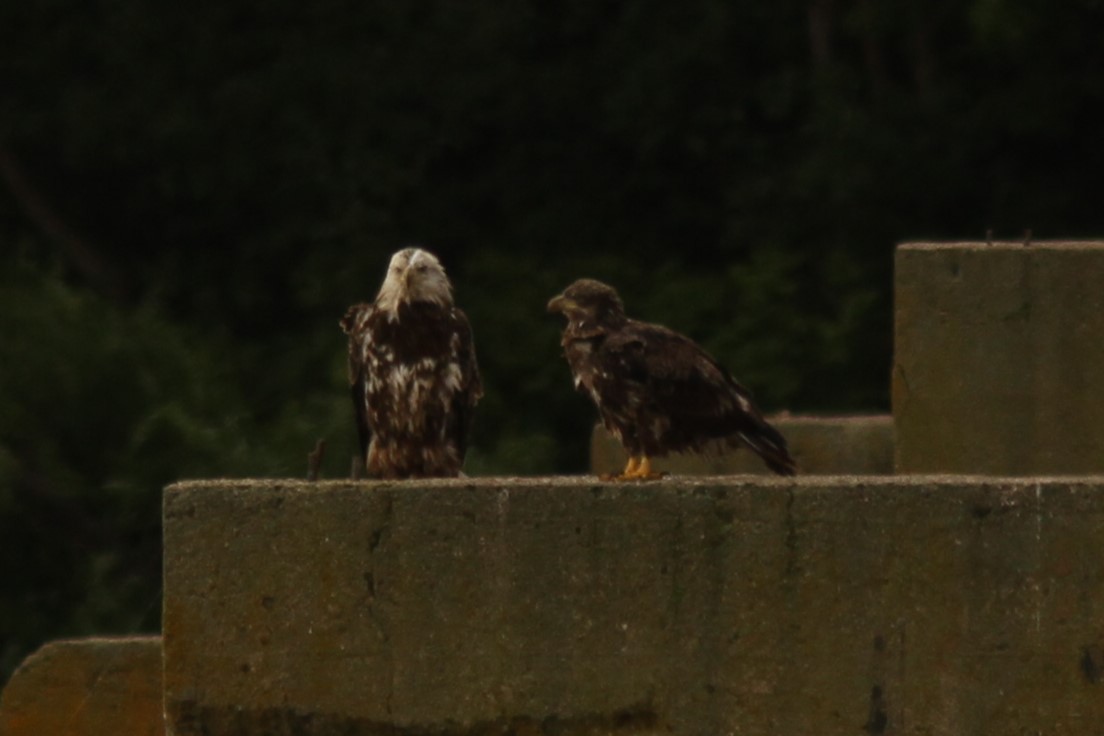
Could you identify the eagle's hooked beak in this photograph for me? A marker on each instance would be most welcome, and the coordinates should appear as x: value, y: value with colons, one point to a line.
x: 558, y: 304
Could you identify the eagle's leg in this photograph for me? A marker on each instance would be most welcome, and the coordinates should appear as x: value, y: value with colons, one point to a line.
x: 629, y: 473
x: 644, y: 470
x: 624, y: 475
x: 638, y: 468
x: 630, y: 468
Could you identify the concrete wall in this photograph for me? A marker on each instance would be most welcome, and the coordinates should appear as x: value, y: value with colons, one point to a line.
x: 821, y: 445
x: 86, y: 687
x: 816, y: 605
x: 999, y: 358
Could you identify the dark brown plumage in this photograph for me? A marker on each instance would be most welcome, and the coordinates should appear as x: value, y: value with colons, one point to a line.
x: 656, y: 390
x: 413, y: 373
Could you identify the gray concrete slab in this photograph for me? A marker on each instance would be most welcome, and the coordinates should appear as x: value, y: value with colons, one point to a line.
x: 101, y: 686
x: 999, y: 358
x: 827, y: 605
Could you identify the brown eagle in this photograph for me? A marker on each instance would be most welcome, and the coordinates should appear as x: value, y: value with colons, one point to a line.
x: 656, y: 390
x: 412, y: 372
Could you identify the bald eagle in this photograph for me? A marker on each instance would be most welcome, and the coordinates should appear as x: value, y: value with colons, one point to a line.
x: 412, y: 372
x: 656, y: 390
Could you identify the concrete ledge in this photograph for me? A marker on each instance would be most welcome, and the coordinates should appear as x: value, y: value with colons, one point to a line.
x: 821, y: 445
x: 87, y: 687
x: 999, y: 358
x: 830, y: 605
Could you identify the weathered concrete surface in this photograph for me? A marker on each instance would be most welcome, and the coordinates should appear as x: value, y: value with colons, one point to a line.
x: 826, y: 605
x: 821, y: 445
x: 999, y: 358
x: 87, y: 687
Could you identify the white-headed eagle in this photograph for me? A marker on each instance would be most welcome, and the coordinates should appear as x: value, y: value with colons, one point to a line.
x: 412, y: 372
x: 656, y: 390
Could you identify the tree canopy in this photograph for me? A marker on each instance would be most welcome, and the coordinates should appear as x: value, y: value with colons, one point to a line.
x: 190, y: 196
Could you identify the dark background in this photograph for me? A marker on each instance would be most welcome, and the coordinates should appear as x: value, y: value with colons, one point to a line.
x: 190, y: 197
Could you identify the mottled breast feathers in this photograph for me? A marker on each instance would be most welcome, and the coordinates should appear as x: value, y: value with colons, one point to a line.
x: 414, y: 380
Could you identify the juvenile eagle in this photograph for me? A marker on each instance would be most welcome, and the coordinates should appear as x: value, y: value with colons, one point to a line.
x: 412, y: 372
x: 656, y: 390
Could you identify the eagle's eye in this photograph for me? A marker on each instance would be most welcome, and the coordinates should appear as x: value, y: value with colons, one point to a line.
x: 421, y: 267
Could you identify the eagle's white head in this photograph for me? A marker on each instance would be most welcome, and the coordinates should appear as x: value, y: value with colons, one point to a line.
x: 414, y: 275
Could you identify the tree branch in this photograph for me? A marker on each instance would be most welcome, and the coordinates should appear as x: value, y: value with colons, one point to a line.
x: 76, y: 249
x: 821, y: 22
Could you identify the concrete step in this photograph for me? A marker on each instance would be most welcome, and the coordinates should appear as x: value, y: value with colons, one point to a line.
x: 822, y: 604
x: 103, y: 686
x: 999, y: 358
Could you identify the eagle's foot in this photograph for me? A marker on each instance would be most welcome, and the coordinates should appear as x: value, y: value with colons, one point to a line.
x: 626, y: 474
x: 637, y: 469
x: 656, y: 475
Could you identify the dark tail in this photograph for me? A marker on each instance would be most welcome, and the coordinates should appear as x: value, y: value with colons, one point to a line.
x: 769, y: 444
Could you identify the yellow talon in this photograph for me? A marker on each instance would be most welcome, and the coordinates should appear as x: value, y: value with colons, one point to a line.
x: 631, y: 471
x: 638, y: 468
x: 631, y: 468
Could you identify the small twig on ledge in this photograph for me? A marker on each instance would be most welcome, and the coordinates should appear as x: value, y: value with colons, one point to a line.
x: 989, y: 236
x: 357, y: 471
x: 1027, y: 237
x: 314, y: 460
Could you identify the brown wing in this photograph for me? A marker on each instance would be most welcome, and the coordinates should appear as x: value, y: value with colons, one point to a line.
x: 682, y: 383
x: 681, y: 379
x: 354, y: 324
x: 471, y: 384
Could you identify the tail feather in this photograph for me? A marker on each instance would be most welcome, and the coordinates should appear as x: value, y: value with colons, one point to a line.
x: 769, y: 444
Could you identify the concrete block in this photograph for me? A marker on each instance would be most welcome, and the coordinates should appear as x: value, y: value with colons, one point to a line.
x: 999, y: 358
x: 827, y: 605
x: 821, y: 445
x: 87, y: 687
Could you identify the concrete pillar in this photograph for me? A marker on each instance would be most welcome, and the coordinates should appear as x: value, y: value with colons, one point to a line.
x: 107, y: 686
x: 821, y: 445
x: 828, y: 605
x: 999, y: 358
